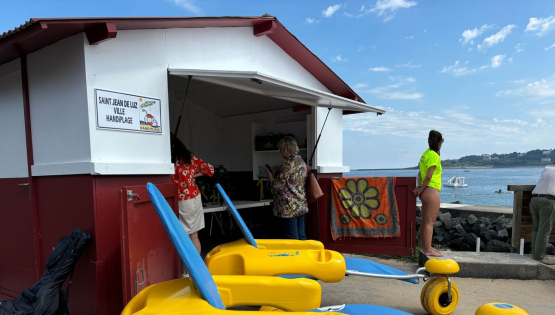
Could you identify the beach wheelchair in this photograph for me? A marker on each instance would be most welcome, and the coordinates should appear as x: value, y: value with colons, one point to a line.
x: 203, y: 293
x: 294, y: 258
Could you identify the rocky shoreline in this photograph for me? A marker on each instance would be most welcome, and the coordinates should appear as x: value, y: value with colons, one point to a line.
x: 460, y: 232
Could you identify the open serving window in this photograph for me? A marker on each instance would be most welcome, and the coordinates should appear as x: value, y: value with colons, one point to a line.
x: 225, y: 111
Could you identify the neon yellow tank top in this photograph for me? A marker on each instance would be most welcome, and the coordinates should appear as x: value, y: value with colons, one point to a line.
x: 431, y: 158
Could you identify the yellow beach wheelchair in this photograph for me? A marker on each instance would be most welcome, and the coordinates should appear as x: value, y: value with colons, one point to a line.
x: 293, y: 259
x: 203, y: 293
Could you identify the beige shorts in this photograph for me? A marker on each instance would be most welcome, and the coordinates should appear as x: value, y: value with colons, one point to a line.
x: 191, y: 214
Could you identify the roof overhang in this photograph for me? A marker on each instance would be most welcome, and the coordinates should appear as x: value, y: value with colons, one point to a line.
x: 258, y: 83
x: 38, y: 33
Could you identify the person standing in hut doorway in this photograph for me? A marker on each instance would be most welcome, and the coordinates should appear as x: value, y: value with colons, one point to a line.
x: 288, y: 188
x: 542, y: 207
x: 187, y: 168
x: 429, y: 185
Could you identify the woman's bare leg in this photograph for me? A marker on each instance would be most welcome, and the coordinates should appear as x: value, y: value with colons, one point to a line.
x: 195, y: 240
x: 430, y: 209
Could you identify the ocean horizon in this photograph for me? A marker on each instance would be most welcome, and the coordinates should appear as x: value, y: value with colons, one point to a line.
x: 483, y: 183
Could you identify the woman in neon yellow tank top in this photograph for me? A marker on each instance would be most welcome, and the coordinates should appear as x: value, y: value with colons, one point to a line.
x: 429, y: 180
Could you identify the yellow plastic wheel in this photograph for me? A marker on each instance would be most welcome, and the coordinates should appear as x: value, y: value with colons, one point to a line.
x: 269, y: 309
x: 434, y: 297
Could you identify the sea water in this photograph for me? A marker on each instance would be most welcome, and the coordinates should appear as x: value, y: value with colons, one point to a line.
x: 482, y: 183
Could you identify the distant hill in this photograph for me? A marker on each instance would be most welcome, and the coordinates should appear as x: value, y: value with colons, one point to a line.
x: 530, y: 158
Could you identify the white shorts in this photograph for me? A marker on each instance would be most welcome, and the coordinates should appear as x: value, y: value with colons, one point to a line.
x: 191, y: 214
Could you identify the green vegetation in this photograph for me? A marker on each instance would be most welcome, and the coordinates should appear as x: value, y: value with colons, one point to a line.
x: 530, y: 158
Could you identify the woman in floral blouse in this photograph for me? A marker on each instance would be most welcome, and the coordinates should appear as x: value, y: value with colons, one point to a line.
x: 288, y: 189
x: 187, y: 168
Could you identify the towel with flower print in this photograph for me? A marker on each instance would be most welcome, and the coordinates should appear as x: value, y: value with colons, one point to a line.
x: 364, y: 207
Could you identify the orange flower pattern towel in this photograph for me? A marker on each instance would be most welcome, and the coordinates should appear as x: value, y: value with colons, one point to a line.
x: 364, y: 207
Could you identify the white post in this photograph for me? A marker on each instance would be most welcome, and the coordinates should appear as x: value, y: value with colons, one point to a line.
x: 521, y: 246
x: 478, y: 245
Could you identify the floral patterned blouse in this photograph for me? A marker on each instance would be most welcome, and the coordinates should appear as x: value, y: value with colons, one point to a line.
x: 288, y: 188
x: 184, y: 177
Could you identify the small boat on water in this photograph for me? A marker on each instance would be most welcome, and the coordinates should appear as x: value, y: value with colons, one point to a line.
x: 456, y: 181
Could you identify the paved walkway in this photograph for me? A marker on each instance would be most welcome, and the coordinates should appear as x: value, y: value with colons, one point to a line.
x: 536, y: 296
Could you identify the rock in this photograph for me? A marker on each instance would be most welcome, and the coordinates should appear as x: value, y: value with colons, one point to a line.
x: 456, y: 202
x: 447, y: 238
x: 498, y: 246
x: 460, y: 229
x: 437, y: 239
x: 451, y: 223
x: 418, y: 211
x: 485, y: 221
x: 471, y: 239
x: 439, y: 231
x: 471, y: 219
x: 465, y: 247
x: 527, y: 248
x: 503, y: 224
x: 444, y: 216
x: 550, y: 249
x: 479, y: 228
x: 489, y: 235
x: 467, y: 227
x: 438, y: 224
x: 502, y: 234
x: 418, y: 221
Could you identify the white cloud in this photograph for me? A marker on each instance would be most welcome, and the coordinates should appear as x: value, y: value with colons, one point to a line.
x: 548, y: 48
x: 541, y: 89
x: 311, y: 21
x: 497, y: 37
x: 393, y: 92
x: 541, y: 26
x: 496, y: 61
x: 468, y: 36
x: 407, y: 65
x: 457, y: 70
x: 331, y: 10
x: 519, y: 48
x: 514, y: 121
x: 361, y: 48
x: 401, y: 79
x: 360, y: 86
x: 362, y: 8
x: 426, y: 30
x: 542, y: 112
x: 409, y: 37
x: 349, y: 15
x: 539, y: 122
x: 387, y: 8
x: 398, y: 95
x: 189, y: 5
x: 338, y: 58
x: 379, y: 69
x: 456, y: 124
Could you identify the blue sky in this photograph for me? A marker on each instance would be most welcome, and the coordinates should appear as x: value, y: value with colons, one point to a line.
x: 481, y: 72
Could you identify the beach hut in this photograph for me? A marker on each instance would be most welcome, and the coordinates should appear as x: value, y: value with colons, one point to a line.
x: 88, y: 105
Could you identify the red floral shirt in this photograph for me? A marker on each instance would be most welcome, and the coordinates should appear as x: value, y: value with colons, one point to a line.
x: 184, y: 177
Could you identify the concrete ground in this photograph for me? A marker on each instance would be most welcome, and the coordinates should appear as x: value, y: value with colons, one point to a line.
x: 535, y: 296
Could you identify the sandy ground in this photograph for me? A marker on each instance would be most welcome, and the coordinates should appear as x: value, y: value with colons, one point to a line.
x: 535, y: 296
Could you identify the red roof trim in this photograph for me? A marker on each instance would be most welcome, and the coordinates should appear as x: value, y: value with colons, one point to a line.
x: 38, y: 33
